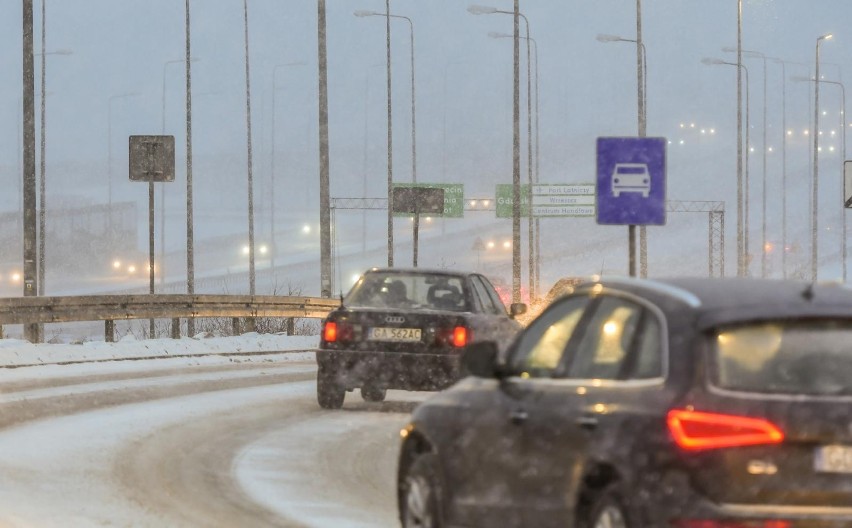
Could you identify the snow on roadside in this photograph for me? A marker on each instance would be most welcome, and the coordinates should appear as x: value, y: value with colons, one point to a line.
x: 18, y: 353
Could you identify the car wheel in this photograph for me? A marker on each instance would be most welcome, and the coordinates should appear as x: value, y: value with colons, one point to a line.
x: 330, y: 395
x: 371, y: 393
x: 421, y: 498
x: 609, y: 511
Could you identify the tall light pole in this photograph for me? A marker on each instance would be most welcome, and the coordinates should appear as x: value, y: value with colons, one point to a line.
x: 530, y: 161
x: 325, y: 200
x: 742, y: 236
x: 162, y: 187
x: 249, y: 153
x: 759, y: 55
x: 815, y: 185
x: 42, y: 215
x: 190, y: 232
x: 537, y: 275
x: 273, y: 176
x: 363, y: 13
x: 842, y: 155
x: 642, y: 90
x: 516, y: 147
x: 31, y: 331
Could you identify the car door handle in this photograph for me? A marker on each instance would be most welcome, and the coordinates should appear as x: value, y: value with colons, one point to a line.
x: 587, y: 422
x: 518, y: 416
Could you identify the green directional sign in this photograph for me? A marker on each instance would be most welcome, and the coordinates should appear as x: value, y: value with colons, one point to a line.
x: 453, y: 197
x: 548, y: 200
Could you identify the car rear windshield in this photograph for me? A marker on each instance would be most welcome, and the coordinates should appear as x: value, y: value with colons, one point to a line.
x: 409, y: 291
x: 803, y: 357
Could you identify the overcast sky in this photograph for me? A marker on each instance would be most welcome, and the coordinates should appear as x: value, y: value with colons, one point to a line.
x: 587, y: 89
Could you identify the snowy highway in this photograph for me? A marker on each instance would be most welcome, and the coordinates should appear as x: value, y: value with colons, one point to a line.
x: 212, y: 441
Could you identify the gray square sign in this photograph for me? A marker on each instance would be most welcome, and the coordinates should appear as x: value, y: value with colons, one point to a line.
x: 152, y: 158
x: 423, y: 200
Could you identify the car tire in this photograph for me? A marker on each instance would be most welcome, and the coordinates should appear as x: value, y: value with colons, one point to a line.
x: 330, y: 394
x: 420, y: 506
x: 371, y: 393
x: 610, y: 511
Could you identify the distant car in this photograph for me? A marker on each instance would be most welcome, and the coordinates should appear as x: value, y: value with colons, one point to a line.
x: 631, y: 177
x: 679, y: 403
x: 406, y: 329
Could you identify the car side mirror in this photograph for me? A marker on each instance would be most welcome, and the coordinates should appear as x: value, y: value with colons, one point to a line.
x: 516, y: 309
x: 480, y: 359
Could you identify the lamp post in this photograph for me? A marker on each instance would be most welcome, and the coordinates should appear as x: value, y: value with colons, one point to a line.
x: 272, y: 178
x: 759, y: 55
x: 642, y: 91
x: 249, y: 153
x: 742, y: 236
x: 843, y: 158
x: 109, y: 157
x: 162, y: 187
x: 362, y: 13
x: 815, y: 185
x: 533, y: 237
x: 42, y: 215
x: 516, y: 149
x: 537, y: 237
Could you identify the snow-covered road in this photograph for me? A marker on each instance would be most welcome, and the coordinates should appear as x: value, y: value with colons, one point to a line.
x: 165, y: 442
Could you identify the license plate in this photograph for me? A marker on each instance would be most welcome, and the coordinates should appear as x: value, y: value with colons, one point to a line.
x: 395, y: 334
x: 833, y: 459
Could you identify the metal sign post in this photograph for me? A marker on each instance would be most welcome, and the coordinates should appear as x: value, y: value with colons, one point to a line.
x: 417, y: 201
x: 152, y: 159
x: 631, y: 185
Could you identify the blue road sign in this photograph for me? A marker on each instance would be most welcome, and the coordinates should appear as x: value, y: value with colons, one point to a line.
x: 631, y: 181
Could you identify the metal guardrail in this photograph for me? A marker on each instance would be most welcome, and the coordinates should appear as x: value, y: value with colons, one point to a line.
x: 111, y: 308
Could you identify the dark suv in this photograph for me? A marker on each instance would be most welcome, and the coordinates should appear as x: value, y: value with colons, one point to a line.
x: 677, y: 404
x: 406, y: 329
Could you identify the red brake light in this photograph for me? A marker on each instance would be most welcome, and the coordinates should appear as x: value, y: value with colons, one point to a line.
x: 714, y: 523
x: 460, y: 336
x: 329, y: 332
x: 695, y: 430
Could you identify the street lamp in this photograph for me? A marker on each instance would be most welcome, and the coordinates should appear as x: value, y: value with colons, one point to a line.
x: 757, y: 54
x: 533, y: 237
x: 249, y: 153
x: 42, y: 229
x: 516, y: 147
x: 163, y: 187
x: 814, y: 198
x: 363, y: 13
x: 742, y: 231
x: 843, y: 158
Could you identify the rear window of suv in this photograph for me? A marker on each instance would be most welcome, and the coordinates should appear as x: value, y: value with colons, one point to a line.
x: 812, y: 357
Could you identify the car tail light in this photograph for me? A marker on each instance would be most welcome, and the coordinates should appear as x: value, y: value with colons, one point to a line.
x: 460, y: 336
x: 329, y: 332
x: 711, y: 523
x: 694, y: 431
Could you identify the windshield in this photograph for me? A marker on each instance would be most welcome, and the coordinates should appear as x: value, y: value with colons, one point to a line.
x: 408, y: 291
x: 785, y: 357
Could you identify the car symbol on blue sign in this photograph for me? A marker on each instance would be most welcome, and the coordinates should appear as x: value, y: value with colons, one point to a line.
x: 631, y: 181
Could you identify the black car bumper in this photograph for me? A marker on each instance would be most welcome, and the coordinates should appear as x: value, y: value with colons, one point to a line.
x: 665, y: 504
x: 390, y: 370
